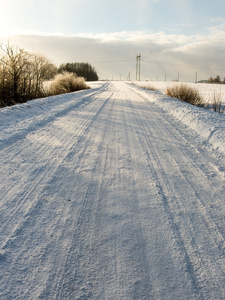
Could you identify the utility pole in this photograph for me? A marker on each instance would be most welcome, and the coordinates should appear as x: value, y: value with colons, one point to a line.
x: 138, y: 66
x: 196, y: 77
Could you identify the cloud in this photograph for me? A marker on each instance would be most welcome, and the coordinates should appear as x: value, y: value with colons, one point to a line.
x: 215, y: 20
x: 114, y: 54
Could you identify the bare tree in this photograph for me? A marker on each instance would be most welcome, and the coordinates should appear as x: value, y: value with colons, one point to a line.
x: 43, y: 70
x: 22, y: 75
x: 14, y: 61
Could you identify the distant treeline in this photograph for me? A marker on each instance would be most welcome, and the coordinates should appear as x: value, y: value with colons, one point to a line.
x: 80, y: 69
x: 23, y: 74
x: 217, y: 79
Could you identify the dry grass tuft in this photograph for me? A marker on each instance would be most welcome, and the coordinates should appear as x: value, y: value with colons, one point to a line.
x: 217, y: 101
x: 149, y: 87
x: 67, y: 83
x: 185, y: 93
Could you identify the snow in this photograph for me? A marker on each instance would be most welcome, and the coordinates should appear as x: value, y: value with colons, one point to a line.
x: 112, y: 193
x: 210, y: 125
x: 206, y: 90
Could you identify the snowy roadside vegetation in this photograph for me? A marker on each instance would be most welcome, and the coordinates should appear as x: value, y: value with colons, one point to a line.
x: 185, y: 93
x: 66, y: 83
x: 25, y: 76
x: 22, y: 75
x: 212, y: 94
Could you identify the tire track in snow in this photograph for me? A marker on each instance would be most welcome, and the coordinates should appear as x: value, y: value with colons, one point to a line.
x: 118, y: 213
x: 123, y: 246
x: 38, y: 177
x: 54, y: 113
x: 80, y: 281
x: 150, y: 291
x: 135, y: 255
x: 40, y: 182
x: 71, y: 270
x: 197, y: 261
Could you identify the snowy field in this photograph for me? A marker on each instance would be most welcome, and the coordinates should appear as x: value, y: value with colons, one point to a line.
x: 206, y: 90
x: 112, y: 193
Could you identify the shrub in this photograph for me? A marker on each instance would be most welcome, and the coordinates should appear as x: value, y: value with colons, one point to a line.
x: 66, y: 83
x: 185, y: 93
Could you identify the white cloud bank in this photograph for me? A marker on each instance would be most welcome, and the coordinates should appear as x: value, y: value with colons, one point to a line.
x: 114, y: 54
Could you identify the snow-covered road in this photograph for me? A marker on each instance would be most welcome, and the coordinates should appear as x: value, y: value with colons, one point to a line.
x: 106, y: 196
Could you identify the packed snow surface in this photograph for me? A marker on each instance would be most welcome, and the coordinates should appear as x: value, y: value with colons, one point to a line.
x: 112, y: 193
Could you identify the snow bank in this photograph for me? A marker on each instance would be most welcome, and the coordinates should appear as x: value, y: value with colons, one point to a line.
x: 19, y: 119
x: 209, y: 125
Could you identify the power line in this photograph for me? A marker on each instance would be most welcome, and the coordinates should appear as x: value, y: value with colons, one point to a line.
x: 111, y: 61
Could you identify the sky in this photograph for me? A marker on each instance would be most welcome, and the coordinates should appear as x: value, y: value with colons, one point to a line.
x: 175, y: 38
